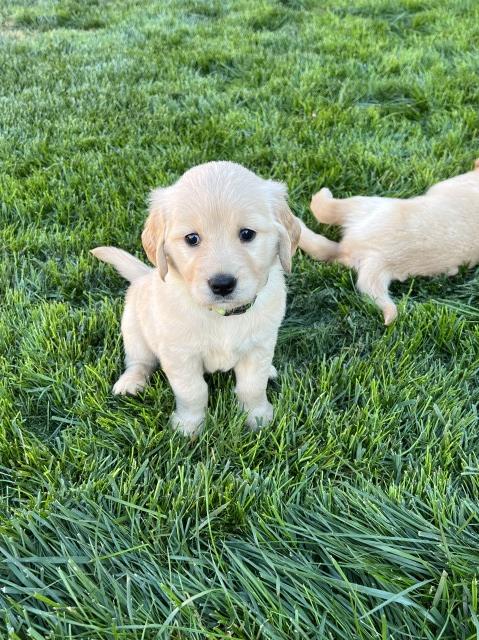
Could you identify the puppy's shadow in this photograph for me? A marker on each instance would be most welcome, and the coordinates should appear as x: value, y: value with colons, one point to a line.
x: 463, y: 287
x: 314, y: 322
x: 300, y: 342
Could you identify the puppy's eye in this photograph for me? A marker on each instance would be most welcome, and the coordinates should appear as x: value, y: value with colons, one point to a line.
x: 246, y: 235
x: 192, y: 239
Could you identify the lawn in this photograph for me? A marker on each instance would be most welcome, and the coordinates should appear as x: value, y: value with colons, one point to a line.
x: 355, y: 514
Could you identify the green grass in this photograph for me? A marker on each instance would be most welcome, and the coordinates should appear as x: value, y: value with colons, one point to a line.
x: 355, y: 514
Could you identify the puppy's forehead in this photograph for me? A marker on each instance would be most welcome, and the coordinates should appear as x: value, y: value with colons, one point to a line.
x: 220, y: 192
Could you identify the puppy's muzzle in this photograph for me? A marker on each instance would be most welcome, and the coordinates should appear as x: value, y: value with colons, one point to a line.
x: 222, y: 284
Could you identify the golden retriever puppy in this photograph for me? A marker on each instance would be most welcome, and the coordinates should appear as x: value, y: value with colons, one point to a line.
x: 387, y: 239
x: 220, y: 238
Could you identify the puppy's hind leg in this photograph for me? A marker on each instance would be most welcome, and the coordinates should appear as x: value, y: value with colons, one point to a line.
x: 374, y: 282
x: 139, y: 359
x: 273, y: 372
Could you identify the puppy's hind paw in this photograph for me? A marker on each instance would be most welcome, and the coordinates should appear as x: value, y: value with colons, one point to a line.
x: 129, y: 384
x: 273, y: 372
x: 390, y: 313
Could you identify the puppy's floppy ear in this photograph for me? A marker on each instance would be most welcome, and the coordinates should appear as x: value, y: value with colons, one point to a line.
x: 288, y: 225
x: 154, y: 232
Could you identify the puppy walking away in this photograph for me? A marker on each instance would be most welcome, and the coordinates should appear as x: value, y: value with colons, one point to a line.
x: 388, y: 239
x: 220, y: 239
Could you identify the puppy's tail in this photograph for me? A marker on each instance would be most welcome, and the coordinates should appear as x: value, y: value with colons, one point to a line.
x: 476, y: 164
x: 127, y: 265
x: 318, y: 247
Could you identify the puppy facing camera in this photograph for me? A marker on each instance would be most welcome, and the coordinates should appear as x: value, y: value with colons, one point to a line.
x: 386, y: 239
x: 220, y: 240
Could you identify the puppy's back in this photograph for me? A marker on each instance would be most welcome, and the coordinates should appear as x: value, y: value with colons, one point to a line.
x: 425, y: 235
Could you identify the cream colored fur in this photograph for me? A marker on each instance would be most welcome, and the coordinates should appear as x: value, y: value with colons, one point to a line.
x: 169, y: 314
x: 388, y: 239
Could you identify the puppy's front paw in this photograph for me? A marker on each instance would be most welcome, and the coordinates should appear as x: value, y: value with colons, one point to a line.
x: 129, y: 384
x: 189, y: 426
x: 260, y: 416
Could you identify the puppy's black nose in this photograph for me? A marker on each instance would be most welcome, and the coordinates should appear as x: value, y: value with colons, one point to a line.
x: 222, y: 284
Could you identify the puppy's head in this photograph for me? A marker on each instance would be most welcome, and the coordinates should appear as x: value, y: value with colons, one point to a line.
x: 221, y: 228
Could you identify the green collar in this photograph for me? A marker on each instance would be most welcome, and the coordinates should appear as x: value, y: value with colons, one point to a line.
x: 233, y: 312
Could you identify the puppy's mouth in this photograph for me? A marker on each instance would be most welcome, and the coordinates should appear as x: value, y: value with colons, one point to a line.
x: 234, y: 302
x: 231, y: 301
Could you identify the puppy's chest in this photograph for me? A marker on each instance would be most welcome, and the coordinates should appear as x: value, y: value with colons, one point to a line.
x: 222, y: 352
